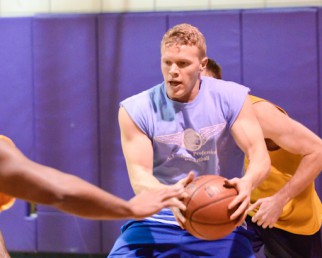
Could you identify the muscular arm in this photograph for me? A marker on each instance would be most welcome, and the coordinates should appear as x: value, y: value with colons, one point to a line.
x: 249, y: 137
x: 297, y: 139
x: 138, y: 152
x: 22, y: 178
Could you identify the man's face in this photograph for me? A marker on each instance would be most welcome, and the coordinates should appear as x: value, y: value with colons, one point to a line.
x: 181, y: 67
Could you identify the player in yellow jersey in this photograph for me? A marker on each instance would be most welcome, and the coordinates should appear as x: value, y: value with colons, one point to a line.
x: 22, y: 178
x: 286, y: 212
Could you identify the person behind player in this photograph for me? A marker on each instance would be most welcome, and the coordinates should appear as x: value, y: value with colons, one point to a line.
x: 286, y: 211
x: 213, y: 69
x: 188, y: 124
x: 25, y: 179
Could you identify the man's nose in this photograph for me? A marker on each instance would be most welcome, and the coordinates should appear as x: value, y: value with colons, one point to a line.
x: 173, y: 69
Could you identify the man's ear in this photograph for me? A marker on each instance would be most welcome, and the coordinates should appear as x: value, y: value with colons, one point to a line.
x: 203, y: 64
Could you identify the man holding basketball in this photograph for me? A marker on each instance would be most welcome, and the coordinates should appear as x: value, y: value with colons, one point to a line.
x: 22, y: 178
x: 188, y: 124
x: 286, y: 211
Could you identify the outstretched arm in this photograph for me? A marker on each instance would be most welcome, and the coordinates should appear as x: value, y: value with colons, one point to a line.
x: 22, y: 178
x: 297, y: 139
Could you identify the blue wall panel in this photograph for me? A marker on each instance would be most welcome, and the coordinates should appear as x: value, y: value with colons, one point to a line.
x: 66, y: 120
x: 16, y: 119
x: 280, y: 59
x: 67, y: 234
x: 129, y: 62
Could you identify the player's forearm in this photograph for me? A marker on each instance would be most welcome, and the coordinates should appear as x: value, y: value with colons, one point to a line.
x: 258, y: 168
x: 74, y: 195
x: 64, y: 191
x: 88, y: 201
x: 67, y: 193
x: 308, y: 169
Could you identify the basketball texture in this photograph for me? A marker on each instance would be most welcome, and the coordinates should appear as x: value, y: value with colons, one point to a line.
x: 207, y: 215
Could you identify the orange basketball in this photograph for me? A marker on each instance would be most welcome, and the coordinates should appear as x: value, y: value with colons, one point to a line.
x: 207, y: 215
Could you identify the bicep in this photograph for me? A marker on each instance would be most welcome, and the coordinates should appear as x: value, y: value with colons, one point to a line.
x: 246, y: 129
x: 284, y: 131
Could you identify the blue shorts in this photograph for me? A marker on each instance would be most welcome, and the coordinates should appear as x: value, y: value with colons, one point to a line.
x: 154, y: 239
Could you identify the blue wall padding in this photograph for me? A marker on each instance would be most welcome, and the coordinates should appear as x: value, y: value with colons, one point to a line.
x: 16, y: 118
x: 280, y: 58
x: 67, y: 234
x: 66, y: 114
x: 129, y: 62
x: 62, y: 77
x: 16, y: 98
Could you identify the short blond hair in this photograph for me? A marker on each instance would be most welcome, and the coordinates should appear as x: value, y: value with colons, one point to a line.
x: 185, y: 34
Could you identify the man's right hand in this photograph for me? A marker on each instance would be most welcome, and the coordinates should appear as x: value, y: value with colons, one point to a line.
x: 177, y: 211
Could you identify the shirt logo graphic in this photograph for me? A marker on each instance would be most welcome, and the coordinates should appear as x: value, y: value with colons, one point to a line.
x: 190, y: 139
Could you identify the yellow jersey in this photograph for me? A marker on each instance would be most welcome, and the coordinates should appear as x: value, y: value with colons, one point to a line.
x: 301, y: 215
